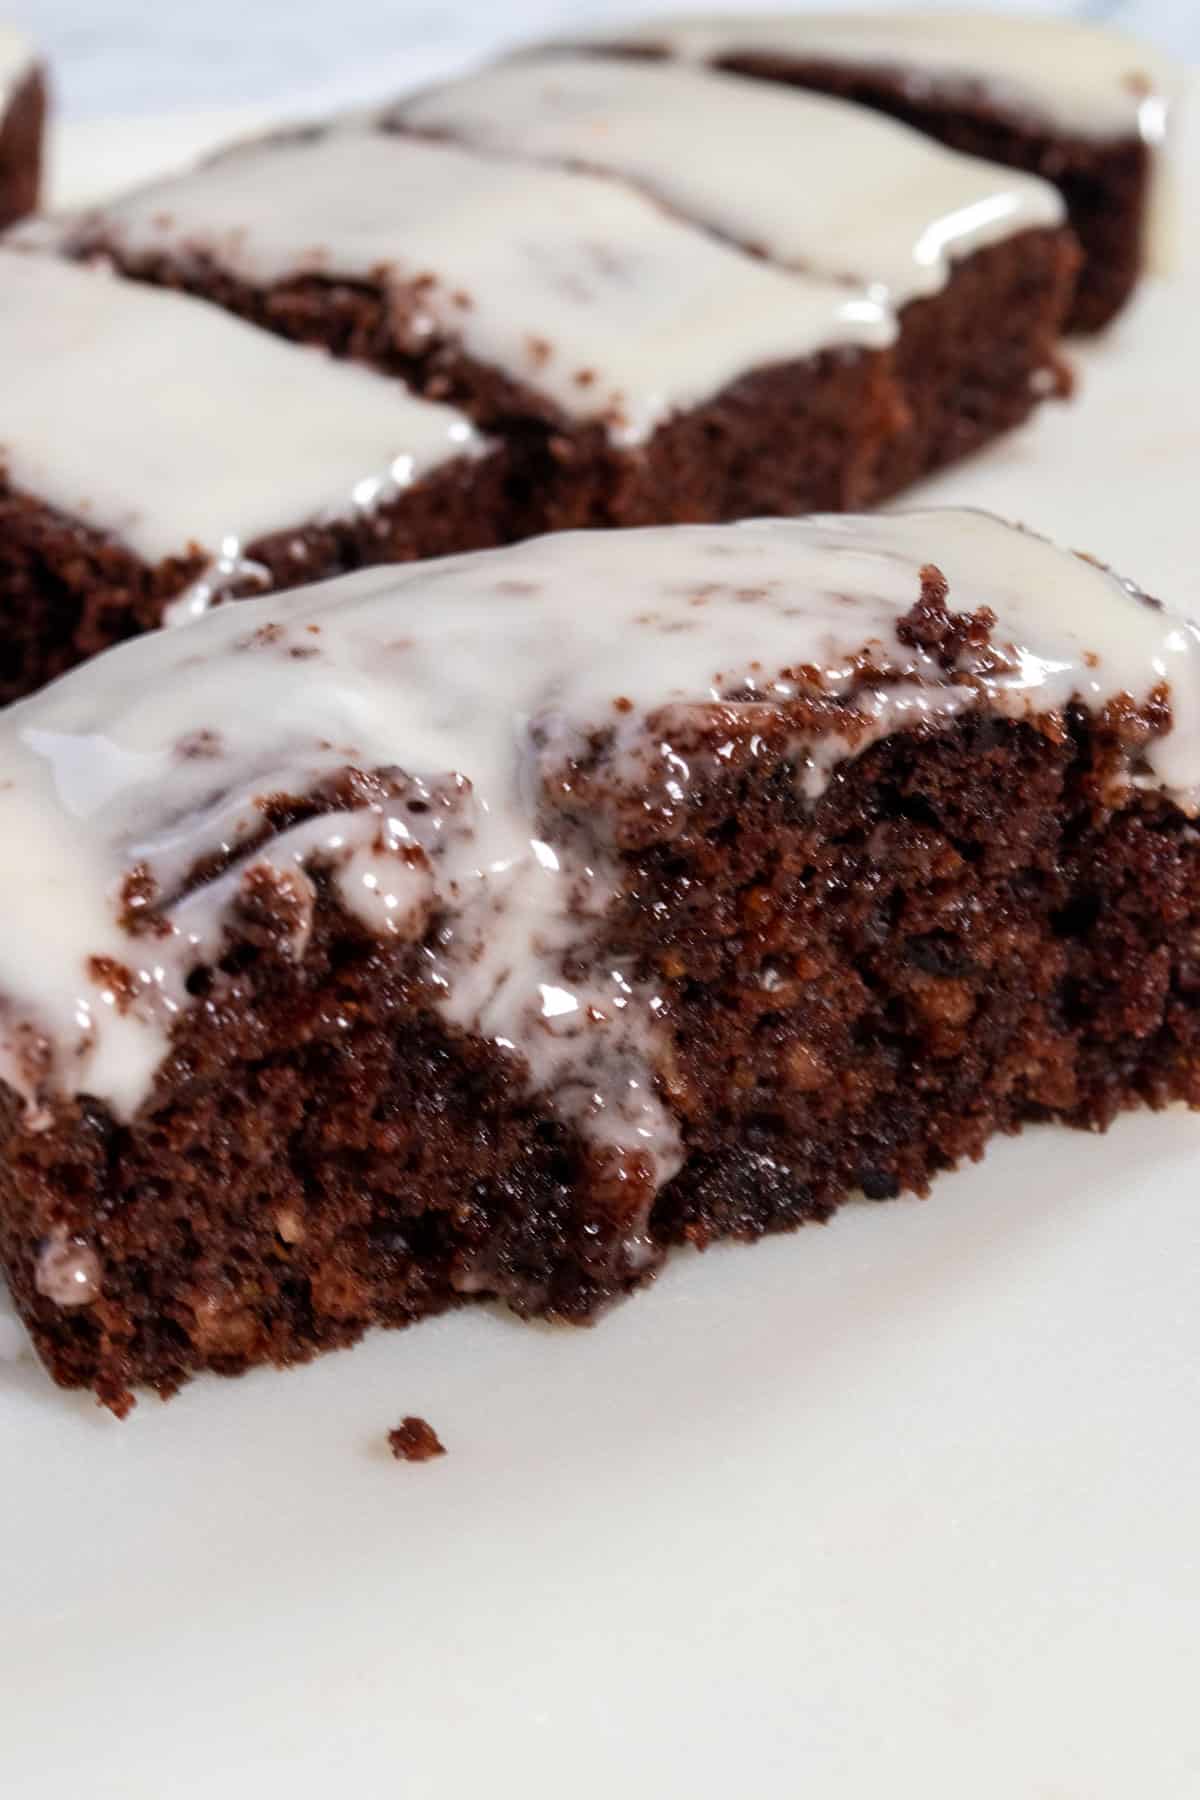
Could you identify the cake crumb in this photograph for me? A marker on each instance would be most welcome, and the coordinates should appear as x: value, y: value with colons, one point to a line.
x: 415, y: 1440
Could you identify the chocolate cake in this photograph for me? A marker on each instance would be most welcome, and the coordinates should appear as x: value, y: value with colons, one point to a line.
x: 1079, y: 103
x: 414, y: 1440
x: 485, y: 927
x: 22, y: 122
x: 157, y: 456
x: 973, y: 259
x: 647, y: 372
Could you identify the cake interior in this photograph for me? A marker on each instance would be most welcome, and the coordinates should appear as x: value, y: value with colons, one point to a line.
x: 957, y: 938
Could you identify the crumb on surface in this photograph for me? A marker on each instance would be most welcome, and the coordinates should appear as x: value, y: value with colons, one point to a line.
x: 415, y: 1440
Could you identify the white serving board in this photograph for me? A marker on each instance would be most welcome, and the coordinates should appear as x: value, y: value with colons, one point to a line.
x: 905, y: 1506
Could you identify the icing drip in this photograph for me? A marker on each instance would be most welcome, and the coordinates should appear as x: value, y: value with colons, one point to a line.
x: 229, y: 570
x: 436, y: 718
x: 892, y: 211
x: 1077, y: 77
x: 68, y: 1270
x: 585, y: 293
x: 168, y: 466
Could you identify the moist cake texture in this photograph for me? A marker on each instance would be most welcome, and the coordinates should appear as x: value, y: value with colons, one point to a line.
x: 1079, y: 103
x: 22, y: 123
x: 658, y: 373
x: 157, y: 456
x: 485, y: 927
x: 972, y: 257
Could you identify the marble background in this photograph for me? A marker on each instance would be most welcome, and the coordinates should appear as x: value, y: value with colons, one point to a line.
x: 151, y: 56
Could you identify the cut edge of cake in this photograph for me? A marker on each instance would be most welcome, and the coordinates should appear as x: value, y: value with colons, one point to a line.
x: 567, y: 902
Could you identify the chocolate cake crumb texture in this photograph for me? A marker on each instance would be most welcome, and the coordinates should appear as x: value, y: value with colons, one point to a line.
x: 450, y: 977
x: 414, y: 1440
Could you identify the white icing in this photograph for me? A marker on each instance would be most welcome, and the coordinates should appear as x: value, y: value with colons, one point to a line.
x: 471, y: 682
x: 169, y: 426
x: 17, y: 60
x: 891, y: 209
x: 587, y: 293
x: 1077, y: 77
x: 67, y: 1270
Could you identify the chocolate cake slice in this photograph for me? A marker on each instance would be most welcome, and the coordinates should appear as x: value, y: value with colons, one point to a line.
x: 22, y: 124
x: 647, y: 372
x: 973, y: 258
x: 157, y: 456
x: 1077, y: 102
x: 485, y: 927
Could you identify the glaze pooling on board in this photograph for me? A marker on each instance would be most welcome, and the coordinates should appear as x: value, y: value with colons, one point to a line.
x: 17, y: 61
x: 462, y: 692
x: 1082, y: 79
x: 170, y: 426
x: 582, y: 291
x: 892, y: 210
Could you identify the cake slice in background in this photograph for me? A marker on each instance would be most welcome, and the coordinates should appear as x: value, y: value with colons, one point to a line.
x: 1079, y: 103
x: 484, y: 928
x: 158, y: 456
x: 647, y: 372
x: 22, y: 124
x: 974, y: 259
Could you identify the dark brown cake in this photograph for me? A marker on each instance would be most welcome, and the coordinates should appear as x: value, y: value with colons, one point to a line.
x: 414, y: 1440
x: 22, y: 124
x: 977, y: 359
x: 826, y: 933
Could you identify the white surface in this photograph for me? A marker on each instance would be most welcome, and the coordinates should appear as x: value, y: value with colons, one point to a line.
x: 901, y: 1507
